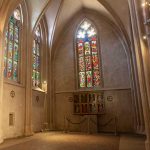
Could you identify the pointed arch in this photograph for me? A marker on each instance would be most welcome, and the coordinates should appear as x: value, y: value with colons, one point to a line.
x: 12, y: 49
x: 39, y: 51
x: 87, y: 51
x: 36, y: 55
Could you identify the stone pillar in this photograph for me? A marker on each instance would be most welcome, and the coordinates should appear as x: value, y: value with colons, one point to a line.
x: 1, y: 87
x: 141, y: 54
x: 28, y: 107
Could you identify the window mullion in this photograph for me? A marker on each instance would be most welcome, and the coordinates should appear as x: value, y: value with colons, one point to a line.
x: 7, y: 52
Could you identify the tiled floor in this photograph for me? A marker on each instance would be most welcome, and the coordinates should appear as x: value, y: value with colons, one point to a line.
x: 74, y: 141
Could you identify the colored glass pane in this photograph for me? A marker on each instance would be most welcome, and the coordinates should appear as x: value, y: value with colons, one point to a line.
x: 80, y: 49
x: 12, y: 19
x: 96, y: 77
x: 5, y: 69
x: 16, y: 35
x: 36, y: 58
x: 9, y: 69
x: 11, y: 50
x: 87, y: 53
x: 89, y: 78
x: 38, y: 49
x: 82, y: 79
x: 17, y: 14
x: 33, y: 77
x: 6, y: 34
x: 34, y: 61
x: 34, y: 47
x: 94, y: 48
x: 11, y: 25
x: 11, y: 32
x: 88, y: 63
x: 16, y: 46
x: 16, y: 54
x: 38, y: 63
x: 37, y: 78
x: 95, y: 61
x: 81, y: 64
x: 15, y: 70
x: 87, y: 48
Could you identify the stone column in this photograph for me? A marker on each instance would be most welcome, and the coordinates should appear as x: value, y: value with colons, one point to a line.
x: 141, y: 54
x: 28, y: 107
x: 1, y: 87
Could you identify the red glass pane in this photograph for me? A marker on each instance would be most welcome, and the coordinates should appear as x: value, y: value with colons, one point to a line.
x: 80, y: 49
x: 81, y: 64
x: 96, y: 78
x: 89, y: 78
x: 88, y: 63
x: 95, y: 61
x: 10, y: 48
x: 94, y: 47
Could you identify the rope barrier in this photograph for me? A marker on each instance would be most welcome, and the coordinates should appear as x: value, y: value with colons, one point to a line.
x: 84, y: 119
x: 94, y: 122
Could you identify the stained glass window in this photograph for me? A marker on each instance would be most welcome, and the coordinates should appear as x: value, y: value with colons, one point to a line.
x: 36, y: 58
x: 87, y: 55
x: 12, y: 46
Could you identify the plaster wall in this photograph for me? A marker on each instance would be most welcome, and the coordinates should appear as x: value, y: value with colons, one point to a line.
x: 16, y: 106
x: 38, y: 110
x: 115, y: 70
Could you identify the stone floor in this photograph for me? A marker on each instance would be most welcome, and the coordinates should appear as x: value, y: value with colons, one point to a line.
x: 74, y: 141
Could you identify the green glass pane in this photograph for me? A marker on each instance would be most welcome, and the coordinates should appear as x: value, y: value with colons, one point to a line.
x: 82, y: 79
x: 16, y: 34
x: 16, y: 52
x: 96, y: 78
x: 15, y: 70
x: 12, y: 19
x: 11, y: 25
x: 9, y: 69
x: 11, y: 32
x: 38, y: 63
x: 89, y: 78
x: 33, y: 77
x: 34, y: 61
x: 87, y: 48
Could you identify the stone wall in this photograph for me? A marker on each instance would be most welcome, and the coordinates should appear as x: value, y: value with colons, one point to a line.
x: 115, y: 70
x: 38, y: 110
x: 15, y: 105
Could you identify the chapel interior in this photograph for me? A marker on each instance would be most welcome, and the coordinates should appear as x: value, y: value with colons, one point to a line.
x: 75, y: 74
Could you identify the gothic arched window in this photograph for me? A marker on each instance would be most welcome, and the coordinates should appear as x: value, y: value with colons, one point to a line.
x: 87, y: 56
x: 13, y: 46
x: 36, y: 57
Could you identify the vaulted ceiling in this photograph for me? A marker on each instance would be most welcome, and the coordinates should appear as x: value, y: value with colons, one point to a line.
x: 59, y: 12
